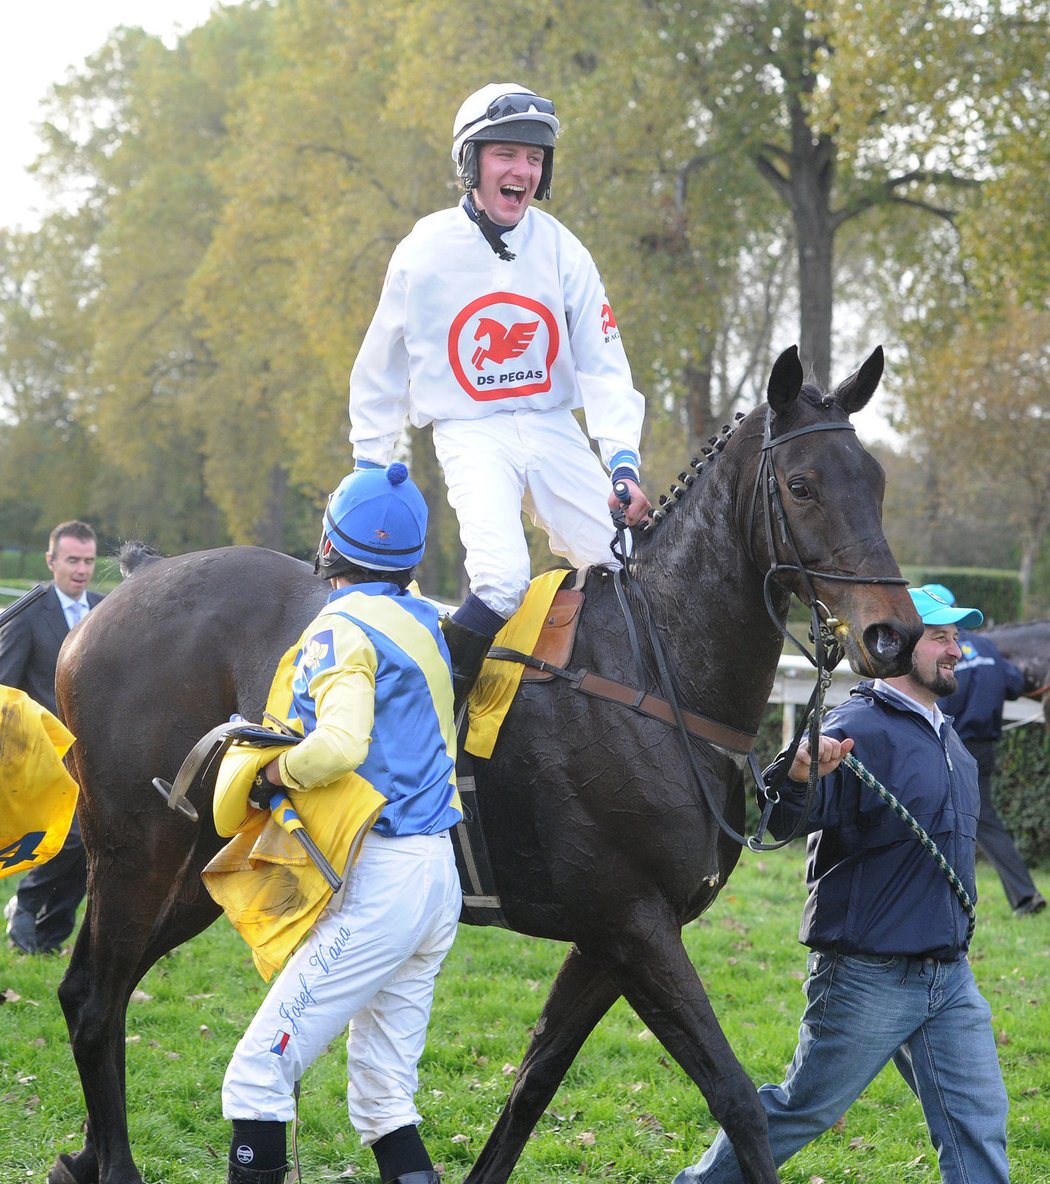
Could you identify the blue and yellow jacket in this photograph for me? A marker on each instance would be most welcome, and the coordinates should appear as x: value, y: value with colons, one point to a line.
x: 373, y: 695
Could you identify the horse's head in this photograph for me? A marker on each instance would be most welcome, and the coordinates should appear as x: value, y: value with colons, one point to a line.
x: 816, y: 517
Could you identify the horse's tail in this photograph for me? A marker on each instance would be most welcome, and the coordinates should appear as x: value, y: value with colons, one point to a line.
x: 133, y: 554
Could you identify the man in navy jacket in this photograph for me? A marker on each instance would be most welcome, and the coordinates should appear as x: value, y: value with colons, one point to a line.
x: 888, y: 973
x: 985, y: 679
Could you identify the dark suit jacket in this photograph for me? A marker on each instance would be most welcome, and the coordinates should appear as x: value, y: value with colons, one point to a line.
x: 29, y: 647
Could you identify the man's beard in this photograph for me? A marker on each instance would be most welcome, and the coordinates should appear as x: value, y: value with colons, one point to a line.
x: 941, y: 682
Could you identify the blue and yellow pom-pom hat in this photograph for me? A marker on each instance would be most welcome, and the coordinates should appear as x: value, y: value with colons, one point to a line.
x: 376, y: 518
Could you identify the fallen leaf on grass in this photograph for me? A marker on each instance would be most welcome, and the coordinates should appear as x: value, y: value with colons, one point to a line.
x: 859, y: 1144
x: 206, y: 1032
x: 588, y: 1138
x: 138, y: 996
x: 509, y: 1070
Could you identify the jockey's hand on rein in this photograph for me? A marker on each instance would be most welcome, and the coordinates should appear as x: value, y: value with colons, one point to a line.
x: 635, y: 508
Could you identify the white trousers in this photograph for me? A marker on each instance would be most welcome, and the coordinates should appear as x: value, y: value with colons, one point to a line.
x: 371, y: 963
x: 536, y: 461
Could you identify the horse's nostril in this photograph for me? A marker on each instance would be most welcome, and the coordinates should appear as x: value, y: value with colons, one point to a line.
x: 883, y: 641
x: 888, y: 642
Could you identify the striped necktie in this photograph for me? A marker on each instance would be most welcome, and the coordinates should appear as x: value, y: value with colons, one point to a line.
x: 76, y: 611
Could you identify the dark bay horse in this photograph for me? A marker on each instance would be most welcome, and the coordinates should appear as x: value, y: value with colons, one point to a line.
x: 601, y: 833
x: 1027, y: 645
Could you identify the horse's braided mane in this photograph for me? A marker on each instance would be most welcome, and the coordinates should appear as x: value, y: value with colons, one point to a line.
x: 699, y: 466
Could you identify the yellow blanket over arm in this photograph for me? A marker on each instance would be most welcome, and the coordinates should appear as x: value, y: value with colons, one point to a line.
x: 262, y: 878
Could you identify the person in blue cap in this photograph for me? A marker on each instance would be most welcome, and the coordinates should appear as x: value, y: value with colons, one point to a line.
x: 888, y: 977
x: 373, y: 690
x: 985, y: 680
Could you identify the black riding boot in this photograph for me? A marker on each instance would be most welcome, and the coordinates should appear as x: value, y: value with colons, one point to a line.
x: 256, y: 1143
x: 237, y: 1173
x: 416, y: 1178
x: 467, y: 649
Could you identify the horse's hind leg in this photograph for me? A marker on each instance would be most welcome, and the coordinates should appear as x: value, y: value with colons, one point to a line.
x: 123, y: 935
x: 653, y: 972
x: 581, y: 994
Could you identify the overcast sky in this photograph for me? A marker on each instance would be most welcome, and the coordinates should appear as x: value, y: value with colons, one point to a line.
x: 39, y: 41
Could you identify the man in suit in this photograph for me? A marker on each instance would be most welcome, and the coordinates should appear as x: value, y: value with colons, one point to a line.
x: 42, y: 913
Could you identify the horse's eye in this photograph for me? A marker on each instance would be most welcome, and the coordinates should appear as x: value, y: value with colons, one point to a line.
x: 798, y: 488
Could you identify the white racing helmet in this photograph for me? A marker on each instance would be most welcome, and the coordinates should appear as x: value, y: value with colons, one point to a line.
x: 505, y: 113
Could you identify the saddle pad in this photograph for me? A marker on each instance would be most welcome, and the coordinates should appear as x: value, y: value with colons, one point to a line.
x: 498, y: 682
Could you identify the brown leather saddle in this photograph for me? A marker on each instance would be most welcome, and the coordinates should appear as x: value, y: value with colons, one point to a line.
x: 557, y: 636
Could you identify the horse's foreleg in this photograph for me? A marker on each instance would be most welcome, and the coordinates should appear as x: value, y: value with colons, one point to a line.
x: 654, y: 974
x: 581, y: 994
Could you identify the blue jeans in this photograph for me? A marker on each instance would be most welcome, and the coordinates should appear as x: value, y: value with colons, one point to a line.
x: 928, y: 1018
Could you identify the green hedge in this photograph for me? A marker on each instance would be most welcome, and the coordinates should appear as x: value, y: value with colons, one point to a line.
x: 1021, y: 790
x: 23, y: 565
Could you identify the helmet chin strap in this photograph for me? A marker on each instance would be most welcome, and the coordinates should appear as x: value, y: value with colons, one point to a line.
x: 491, y: 230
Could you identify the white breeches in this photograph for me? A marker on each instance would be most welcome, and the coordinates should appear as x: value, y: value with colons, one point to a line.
x: 371, y: 963
x: 536, y: 461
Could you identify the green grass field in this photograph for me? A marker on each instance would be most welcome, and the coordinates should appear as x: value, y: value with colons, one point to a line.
x: 625, y: 1113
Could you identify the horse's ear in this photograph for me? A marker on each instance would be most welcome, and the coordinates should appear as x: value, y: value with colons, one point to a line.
x: 785, y: 381
x: 854, y: 392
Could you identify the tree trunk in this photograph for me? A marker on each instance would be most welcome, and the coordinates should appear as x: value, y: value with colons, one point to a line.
x: 812, y: 177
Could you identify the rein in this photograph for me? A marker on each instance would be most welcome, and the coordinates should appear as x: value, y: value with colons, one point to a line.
x: 828, y: 650
x: 851, y: 763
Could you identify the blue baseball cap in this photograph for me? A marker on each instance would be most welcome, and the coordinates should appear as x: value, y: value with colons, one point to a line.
x: 935, y: 608
x: 941, y: 591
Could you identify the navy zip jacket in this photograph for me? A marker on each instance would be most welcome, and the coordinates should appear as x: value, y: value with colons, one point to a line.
x: 874, y: 888
x: 985, y: 678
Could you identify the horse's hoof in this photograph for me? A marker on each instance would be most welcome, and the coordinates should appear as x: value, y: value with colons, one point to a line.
x: 61, y: 1171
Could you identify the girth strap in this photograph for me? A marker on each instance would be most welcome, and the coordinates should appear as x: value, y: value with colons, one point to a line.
x: 640, y: 701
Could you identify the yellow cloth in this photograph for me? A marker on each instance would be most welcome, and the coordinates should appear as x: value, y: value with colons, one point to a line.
x: 37, y: 794
x: 498, y: 682
x: 262, y: 878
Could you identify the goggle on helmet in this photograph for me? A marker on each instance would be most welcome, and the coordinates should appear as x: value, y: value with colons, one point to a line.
x: 504, y: 112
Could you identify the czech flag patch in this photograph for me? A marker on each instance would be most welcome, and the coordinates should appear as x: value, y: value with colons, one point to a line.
x: 279, y: 1043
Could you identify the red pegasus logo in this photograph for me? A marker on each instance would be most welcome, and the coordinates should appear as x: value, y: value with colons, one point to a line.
x: 608, y: 320
x: 503, y: 343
